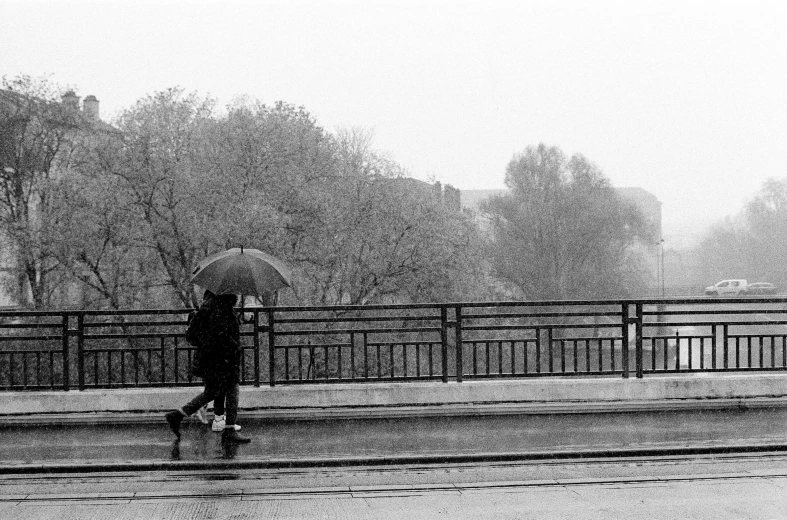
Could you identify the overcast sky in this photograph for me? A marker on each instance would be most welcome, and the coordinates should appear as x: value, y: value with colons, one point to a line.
x: 687, y: 99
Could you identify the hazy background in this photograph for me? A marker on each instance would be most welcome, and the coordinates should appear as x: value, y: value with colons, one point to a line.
x: 684, y: 99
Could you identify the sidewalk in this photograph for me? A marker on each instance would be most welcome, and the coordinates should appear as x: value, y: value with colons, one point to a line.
x: 286, y: 443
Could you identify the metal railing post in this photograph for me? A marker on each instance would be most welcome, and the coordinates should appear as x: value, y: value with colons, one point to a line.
x: 459, y: 361
x: 271, y: 350
x: 625, y: 341
x: 163, y: 364
x: 444, y: 341
x: 256, y: 347
x: 66, y: 355
x: 80, y: 332
x: 638, y: 340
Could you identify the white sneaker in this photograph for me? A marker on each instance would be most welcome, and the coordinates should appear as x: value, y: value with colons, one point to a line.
x: 219, y: 421
x: 202, y: 415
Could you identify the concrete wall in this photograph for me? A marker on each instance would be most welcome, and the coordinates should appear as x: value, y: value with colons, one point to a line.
x: 556, y: 395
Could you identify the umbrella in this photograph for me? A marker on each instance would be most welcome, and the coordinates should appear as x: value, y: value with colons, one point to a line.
x: 241, y: 271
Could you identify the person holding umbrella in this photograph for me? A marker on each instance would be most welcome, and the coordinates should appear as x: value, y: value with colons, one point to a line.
x: 194, y: 335
x: 220, y: 364
x: 226, y: 274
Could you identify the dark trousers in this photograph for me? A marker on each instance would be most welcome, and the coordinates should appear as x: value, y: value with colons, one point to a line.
x: 218, y: 405
x: 225, y: 393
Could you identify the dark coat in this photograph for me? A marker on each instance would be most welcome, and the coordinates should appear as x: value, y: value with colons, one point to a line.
x: 218, y: 356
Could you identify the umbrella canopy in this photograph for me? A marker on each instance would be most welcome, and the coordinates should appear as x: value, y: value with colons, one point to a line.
x: 241, y: 271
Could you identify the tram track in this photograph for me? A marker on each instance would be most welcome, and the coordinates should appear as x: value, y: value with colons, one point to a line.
x: 406, y: 480
x: 78, y: 467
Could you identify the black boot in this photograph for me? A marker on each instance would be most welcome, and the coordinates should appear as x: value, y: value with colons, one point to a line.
x: 230, y: 434
x: 174, y: 419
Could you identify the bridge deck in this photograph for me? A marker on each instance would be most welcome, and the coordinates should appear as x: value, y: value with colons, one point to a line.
x: 85, y: 447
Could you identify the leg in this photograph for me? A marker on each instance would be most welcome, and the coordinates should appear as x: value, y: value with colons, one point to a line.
x: 230, y: 432
x: 199, y: 401
x: 218, y: 404
x: 232, y: 404
x: 175, y: 417
x: 218, y: 412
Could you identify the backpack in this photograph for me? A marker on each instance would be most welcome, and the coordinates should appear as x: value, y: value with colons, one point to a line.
x: 194, y: 329
x: 194, y: 337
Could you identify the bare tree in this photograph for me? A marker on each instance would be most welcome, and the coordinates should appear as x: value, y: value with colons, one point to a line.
x: 137, y: 207
x: 156, y: 163
x: 96, y: 238
x: 37, y: 136
x: 751, y: 245
x: 563, y: 232
x: 382, y: 235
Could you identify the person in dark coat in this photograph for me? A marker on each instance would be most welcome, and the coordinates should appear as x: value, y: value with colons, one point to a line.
x: 218, y: 363
x: 219, y: 419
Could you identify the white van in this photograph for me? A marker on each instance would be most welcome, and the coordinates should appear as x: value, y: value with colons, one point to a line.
x: 728, y: 288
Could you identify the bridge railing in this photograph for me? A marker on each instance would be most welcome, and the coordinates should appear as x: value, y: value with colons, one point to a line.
x: 400, y: 343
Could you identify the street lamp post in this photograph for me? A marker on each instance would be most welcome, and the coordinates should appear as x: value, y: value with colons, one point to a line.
x: 660, y: 266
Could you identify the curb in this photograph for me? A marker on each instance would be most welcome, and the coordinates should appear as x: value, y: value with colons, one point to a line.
x: 394, y: 412
x: 618, y: 453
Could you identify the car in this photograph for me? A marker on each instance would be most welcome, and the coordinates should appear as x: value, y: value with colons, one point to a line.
x: 761, y: 288
x: 727, y: 287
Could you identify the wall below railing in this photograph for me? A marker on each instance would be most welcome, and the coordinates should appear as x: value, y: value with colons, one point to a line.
x: 556, y: 395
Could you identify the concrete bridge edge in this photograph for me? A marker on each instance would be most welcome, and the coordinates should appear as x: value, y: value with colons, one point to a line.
x: 376, y: 400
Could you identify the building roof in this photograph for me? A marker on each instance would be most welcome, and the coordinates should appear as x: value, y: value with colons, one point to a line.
x: 15, y: 100
x: 471, y: 199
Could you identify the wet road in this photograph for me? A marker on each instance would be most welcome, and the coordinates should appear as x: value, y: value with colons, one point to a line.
x: 715, y: 486
x: 376, y: 439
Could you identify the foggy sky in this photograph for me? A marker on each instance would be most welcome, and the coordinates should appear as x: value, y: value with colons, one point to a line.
x: 684, y: 99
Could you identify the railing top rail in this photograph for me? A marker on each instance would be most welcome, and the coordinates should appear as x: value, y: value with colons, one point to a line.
x: 94, y: 312
x: 134, y: 312
x: 333, y: 308
x: 535, y: 303
x: 709, y: 300
x: 708, y: 323
x: 509, y: 303
x: 616, y: 313
x: 414, y: 306
x: 706, y: 312
x: 58, y: 313
x: 539, y: 303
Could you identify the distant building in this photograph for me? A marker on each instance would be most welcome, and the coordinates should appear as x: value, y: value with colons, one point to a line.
x: 647, y: 203
x: 472, y: 199
x: 88, y: 112
x: 16, y: 111
x: 451, y: 197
